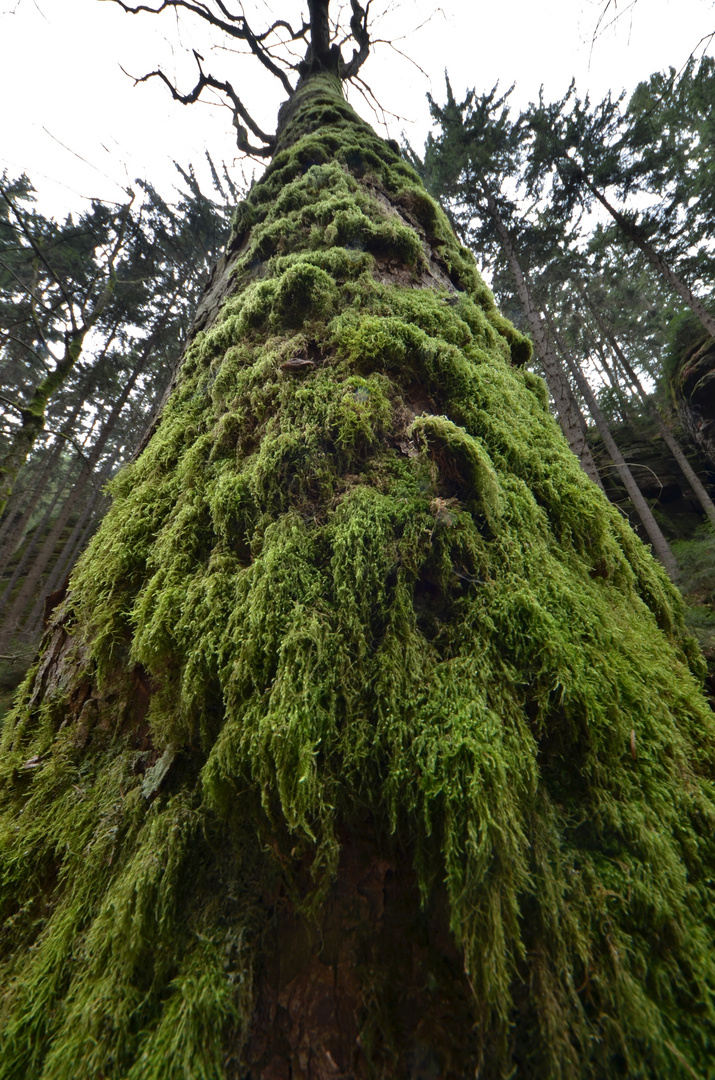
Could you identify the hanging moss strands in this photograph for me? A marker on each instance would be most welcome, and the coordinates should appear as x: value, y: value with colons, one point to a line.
x: 369, y: 741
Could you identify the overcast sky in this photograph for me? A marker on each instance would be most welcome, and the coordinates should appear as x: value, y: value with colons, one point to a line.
x: 79, y: 127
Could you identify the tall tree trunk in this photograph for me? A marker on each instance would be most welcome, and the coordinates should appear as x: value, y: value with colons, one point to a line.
x: 664, y: 431
x: 55, y: 590
x: 13, y: 529
x: 15, y: 509
x: 567, y: 409
x: 32, y: 542
x: 18, y: 609
x: 660, y: 545
x: 631, y: 230
x: 85, y: 525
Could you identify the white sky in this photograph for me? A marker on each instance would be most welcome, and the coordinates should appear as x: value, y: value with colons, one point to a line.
x: 61, y: 81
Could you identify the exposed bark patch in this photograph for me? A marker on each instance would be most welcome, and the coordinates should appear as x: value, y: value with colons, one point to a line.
x: 372, y: 987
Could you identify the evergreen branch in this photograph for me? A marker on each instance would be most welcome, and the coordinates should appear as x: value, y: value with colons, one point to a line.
x: 19, y: 341
x: 38, y: 325
x: 40, y: 253
x: 12, y: 405
x: 103, y: 299
x: 72, y: 441
x: 23, y: 286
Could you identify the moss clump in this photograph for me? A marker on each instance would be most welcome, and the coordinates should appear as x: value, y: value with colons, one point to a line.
x: 357, y: 575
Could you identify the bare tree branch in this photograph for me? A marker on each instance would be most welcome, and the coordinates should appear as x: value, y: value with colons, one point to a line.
x: 358, y: 28
x: 323, y: 52
x: 295, y: 35
x: 236, y: 27
x: 239, y: 109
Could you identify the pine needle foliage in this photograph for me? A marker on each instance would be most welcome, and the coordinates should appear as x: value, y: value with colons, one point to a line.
x: 358, y: 575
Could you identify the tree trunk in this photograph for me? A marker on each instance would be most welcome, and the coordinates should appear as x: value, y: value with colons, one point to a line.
x: 15, y: 510
x: 13, y: 530
x: 31, y: 584
x: 661, y: 547
x: 568, y: 412
x: 31, y: 545
x: 366, y: 743
x: 631, y: 230
x: 86, y: 523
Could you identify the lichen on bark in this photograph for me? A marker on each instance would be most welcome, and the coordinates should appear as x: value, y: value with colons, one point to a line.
x: 369, y: 740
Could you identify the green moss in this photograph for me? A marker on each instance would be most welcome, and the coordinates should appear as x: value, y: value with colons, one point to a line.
x: 358, y: 573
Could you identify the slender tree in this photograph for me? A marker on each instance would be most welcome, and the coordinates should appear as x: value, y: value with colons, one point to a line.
x: 61, y: 303
x: 138, y: 339
x: 576, y: 146
x: 366, y: 741
x: 661, y: 547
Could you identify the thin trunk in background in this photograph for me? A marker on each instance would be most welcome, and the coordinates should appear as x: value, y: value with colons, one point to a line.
x: 14, y: 525
x: 27, y: 590
x: 569, y: 414
x: 85, y: 525
x: 660, y: 545
x: 35, y: 537
x: 631, y: 230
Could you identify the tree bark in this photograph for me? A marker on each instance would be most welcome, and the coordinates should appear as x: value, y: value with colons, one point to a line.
x: 660, y: 545
x: 319, y: 27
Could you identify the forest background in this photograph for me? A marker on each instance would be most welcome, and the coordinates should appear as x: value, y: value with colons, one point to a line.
x: 106, y: 247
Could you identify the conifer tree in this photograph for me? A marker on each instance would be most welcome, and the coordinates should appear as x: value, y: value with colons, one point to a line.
x: 368, y: 741
x: 477, y: 149
x: 57, y: 284
x: 584, y: 151
x: 137, y: 340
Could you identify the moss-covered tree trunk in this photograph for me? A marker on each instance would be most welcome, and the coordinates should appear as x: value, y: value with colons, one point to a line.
x: 368, y: 742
